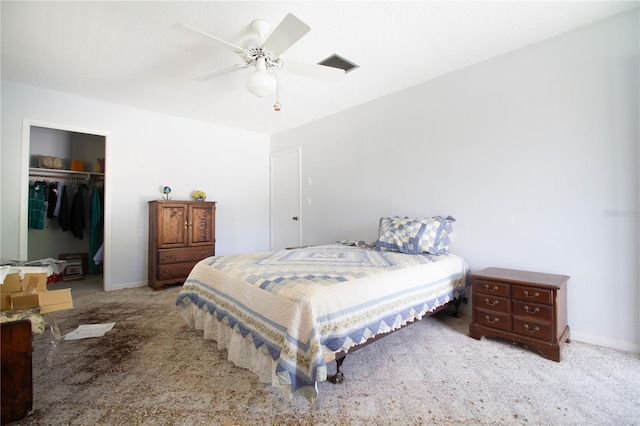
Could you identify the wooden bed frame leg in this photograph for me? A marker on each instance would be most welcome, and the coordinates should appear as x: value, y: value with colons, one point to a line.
x: 338, y: 377
x: 456, y: 304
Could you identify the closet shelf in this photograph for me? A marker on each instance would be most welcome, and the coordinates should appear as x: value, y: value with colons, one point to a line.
x: 59, y: 173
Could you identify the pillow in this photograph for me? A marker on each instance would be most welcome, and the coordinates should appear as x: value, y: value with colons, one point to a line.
x: 400, y: 234
x: 435, y: 239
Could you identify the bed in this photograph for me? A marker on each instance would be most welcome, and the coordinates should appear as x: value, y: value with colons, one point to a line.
x: 285, y: 315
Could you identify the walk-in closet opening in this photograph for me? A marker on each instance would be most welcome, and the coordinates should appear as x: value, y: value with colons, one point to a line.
x: 66, y: 203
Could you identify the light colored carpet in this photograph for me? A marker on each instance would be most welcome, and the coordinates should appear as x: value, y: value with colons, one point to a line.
x: 152, y: 370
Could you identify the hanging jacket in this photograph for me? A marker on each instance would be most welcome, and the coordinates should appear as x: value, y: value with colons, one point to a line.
x: 64, y: 218
x: 52, y: 199
x: 76, y: 213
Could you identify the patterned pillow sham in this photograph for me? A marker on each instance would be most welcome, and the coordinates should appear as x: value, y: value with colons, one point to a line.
x: 435, y: 239
x: 400, y: 234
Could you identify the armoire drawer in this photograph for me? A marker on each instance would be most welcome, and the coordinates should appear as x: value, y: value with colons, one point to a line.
x: 175, y: 270
x: 167, y: 256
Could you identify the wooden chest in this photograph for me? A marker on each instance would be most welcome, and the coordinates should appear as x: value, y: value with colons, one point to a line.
x: 17, y: 373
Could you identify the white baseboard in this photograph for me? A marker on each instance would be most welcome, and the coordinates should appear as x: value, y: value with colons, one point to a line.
x: 605, y: 341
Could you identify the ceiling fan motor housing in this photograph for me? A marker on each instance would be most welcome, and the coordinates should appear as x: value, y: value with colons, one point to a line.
x: 260, y: 27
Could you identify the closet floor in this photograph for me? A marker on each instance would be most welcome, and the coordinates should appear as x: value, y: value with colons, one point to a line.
x: 92, y: 283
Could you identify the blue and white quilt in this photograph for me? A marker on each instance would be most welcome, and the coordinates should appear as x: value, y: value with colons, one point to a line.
x: 299, y: 304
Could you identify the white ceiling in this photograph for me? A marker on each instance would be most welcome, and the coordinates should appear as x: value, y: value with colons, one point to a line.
x: 128, y: 53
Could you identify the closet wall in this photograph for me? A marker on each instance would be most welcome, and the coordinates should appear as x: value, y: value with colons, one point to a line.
x: 52, y: 241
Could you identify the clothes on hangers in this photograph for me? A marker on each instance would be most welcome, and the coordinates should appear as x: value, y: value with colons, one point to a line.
x: 37, y: 209
x: 52, y: 199
x: 56, y: 211
x: 76, y: 213
x: 95, y: 230
x: 64, y: 218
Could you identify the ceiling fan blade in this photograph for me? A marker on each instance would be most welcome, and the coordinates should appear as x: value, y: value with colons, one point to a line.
x: 186, y: 28
x: 320, y: 72
x: 290, y: 30
x: 220, y: 72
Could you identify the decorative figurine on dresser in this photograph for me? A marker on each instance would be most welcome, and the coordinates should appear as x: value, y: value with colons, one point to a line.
x: 181, y: 233
x: 529, y: 308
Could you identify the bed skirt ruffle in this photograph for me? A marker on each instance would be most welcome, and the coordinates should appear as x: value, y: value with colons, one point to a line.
x: 240, y: 350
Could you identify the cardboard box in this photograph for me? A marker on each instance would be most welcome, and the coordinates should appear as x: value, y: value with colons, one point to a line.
x: 47, y: 300
x: 32, y: 292
x: 34, y: 281
x: 11, y: 283
x: 5, y: 301
x: 56, y: 300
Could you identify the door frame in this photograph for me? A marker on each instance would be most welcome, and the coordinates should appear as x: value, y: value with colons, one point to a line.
x: 24, y: 190
x: 271, y: 200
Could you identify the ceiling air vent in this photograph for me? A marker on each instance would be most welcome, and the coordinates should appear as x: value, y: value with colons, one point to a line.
x: 337, y: 61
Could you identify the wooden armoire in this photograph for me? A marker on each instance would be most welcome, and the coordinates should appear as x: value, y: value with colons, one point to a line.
x: 181, y: 233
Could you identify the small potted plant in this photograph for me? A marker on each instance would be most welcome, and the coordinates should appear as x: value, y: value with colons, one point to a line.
x: 166, y: 191
x: 199, y: 195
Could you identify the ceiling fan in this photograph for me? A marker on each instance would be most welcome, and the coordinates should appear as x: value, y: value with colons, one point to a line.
x: 262, y: 56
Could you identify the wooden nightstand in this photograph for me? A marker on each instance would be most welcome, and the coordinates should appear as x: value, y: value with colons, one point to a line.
x: 529, y: 308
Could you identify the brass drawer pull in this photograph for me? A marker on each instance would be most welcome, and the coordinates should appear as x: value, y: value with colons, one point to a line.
x: 494, y: 303
x: 494, y: 288
x: 535, y: 329
x: 170, y: 256
x: 528, y: 310
x: 535, y: 294
x: 491, y: 321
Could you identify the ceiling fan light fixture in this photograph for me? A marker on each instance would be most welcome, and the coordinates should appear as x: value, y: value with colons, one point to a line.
x: 260, y: 82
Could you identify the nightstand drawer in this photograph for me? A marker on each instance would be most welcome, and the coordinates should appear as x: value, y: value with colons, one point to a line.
x: 533, y: 329
x: 532, y: 310
x: 491, y: 319
x: 490, y: 287
x: 532, y: 294
x: 492, y: 303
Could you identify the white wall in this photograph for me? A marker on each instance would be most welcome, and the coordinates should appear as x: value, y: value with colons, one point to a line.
x: 535, y: 153
x: 145, y: 151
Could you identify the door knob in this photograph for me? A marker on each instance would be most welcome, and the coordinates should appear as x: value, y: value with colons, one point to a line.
x: 295, y: 218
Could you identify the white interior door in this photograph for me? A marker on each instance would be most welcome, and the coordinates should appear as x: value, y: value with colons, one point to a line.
x: 286, y: 223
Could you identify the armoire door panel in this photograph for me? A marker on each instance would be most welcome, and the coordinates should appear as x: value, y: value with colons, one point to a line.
x: 173, y: 226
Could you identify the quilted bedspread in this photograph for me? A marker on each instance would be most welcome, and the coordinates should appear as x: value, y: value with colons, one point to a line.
x: 297, y: 304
